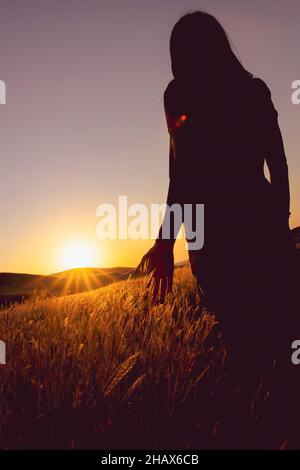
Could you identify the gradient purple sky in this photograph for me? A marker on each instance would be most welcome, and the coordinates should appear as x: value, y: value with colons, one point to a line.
x: 84, y: 119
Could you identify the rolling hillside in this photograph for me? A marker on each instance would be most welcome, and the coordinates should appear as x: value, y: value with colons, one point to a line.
x: 16, y: 287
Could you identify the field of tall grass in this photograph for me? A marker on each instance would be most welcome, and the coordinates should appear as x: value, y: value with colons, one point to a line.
x: 105, y: 369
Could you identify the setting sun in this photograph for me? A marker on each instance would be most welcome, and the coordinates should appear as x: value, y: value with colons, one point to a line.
x: 79, y: 254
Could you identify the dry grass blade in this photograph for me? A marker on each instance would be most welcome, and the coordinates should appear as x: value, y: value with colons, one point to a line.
x: 136, y: 384
x: 121, y: 372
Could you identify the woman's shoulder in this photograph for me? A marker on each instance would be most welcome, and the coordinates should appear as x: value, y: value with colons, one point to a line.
x: 172, y: 87
x: 172, y: 94
x: 179, y: 94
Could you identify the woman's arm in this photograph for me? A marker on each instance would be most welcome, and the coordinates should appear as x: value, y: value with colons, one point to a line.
x: 275, y: 156
x: 162, y: 250
x: 278, y: 168
x: 170, y: 225
x: 159, y: 260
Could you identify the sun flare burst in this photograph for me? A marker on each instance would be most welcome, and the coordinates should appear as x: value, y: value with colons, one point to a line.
x: 79, y: 254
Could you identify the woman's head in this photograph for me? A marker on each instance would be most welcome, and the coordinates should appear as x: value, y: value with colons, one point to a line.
x: 199, y: 45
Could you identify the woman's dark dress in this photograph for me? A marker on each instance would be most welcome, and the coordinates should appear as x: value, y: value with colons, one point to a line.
x: 221, y: 135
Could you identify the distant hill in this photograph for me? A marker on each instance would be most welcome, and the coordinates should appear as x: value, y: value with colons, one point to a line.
x: 94, y: 271
x: 16, y: 287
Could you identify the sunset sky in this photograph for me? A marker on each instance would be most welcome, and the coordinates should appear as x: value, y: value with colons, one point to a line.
x: 84, y: 119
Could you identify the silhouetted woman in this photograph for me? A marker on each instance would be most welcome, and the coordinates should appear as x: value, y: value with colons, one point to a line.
x: 223, y: 127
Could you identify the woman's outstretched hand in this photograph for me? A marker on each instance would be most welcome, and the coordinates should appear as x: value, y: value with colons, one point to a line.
x: 158, y: 265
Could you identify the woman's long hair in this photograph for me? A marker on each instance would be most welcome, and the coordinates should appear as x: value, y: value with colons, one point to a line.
x: 199, y: 46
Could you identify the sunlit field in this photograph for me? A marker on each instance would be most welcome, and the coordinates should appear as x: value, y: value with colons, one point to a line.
x: 106, y: 370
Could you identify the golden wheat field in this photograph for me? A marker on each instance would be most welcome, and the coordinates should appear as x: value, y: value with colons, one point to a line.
x: 105, y: 369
